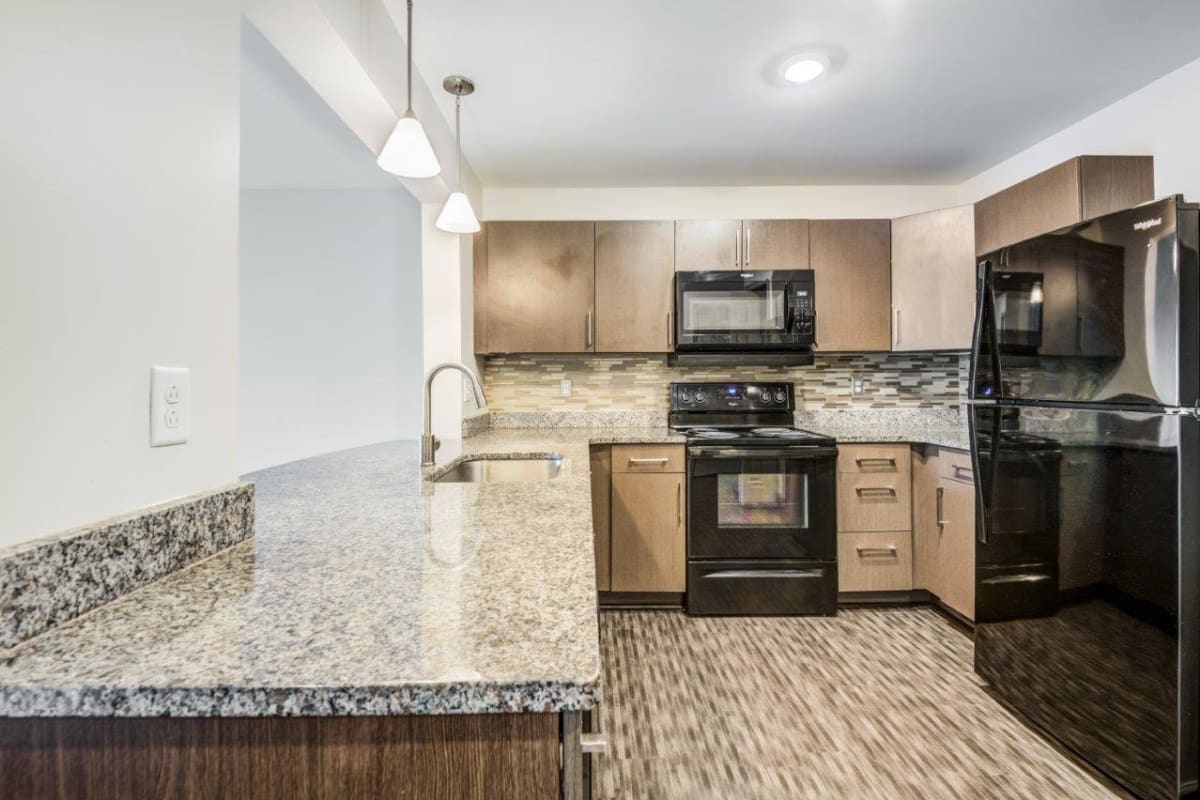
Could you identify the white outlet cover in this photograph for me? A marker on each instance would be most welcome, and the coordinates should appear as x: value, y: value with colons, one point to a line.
x: 564, y: 387
x: 170, y: 405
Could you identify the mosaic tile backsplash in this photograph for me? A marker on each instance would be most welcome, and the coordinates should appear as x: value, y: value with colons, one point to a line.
x: 605, y: 383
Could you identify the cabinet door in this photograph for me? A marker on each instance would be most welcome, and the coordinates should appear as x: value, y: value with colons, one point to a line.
x: 852, y: 261
x: 933, y: 280
x: 635, y: 271
x: 926, y: 532
x: 775, y: 244
x: 704, y: 244
x: 479, y: 265
x: 1070, y: 192
x: 956, y: 563
x: 601, y: 463
x: 648, y: 552
x: 540, y: 283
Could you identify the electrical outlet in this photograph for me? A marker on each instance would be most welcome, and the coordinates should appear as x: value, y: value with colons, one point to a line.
x: 564, y: 387
x: 170, y: 405
x: 858, y: 386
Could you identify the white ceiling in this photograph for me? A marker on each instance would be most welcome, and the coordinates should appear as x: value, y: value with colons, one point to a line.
x: 290, y: 137
x: 680, y: 92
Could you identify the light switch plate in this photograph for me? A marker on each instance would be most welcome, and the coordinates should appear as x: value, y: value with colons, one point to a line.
x: 170, y: 405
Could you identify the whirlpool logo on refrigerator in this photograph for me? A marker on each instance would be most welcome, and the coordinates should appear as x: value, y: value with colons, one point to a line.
x: 1147, y: 224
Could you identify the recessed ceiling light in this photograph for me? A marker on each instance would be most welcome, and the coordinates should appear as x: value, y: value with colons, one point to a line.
x: 803, y: 70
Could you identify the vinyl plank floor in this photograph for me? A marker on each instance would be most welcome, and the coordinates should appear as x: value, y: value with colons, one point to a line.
x: 872, y: 703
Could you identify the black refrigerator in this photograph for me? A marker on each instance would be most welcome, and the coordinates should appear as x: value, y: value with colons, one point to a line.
x: 1085, y: 437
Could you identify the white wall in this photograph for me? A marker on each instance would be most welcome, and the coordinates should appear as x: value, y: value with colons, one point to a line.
x: 714, y: 202
x: 330, y: 320
x: 1160, y: 119
x: 118, y: 251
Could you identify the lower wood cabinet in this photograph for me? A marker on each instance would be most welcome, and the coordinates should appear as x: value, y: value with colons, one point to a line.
x: 944, y: 527
x: 639, y: 513
x: 874, y: 518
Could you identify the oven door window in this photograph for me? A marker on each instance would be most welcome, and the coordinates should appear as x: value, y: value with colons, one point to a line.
x: 719, y: 310
x: 762, y: 500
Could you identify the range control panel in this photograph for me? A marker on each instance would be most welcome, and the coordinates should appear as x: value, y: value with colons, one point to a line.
x: 732, y: 397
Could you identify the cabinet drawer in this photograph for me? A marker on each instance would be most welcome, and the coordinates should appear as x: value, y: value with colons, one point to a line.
x: 956, y: 466
x: 874, y: 459
x: 875, y: 562
x: 874, y: 502
x: 647, y: 458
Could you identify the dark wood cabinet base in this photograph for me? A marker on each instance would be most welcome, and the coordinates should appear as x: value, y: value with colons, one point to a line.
x: 469, y: 756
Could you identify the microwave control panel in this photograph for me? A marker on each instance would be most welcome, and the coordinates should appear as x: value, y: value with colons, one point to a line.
x: 806, y: 314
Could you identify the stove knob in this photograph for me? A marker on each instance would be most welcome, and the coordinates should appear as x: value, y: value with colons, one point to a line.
x: 685, y: 398
x: 700, y: 396
x: 764, y: 394
x: 781, y: 396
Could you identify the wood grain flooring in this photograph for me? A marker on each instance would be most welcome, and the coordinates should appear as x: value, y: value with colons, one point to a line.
x: 873, y: 703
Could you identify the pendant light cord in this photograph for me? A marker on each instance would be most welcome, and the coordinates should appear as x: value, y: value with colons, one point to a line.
x: 458, y: 141
x: 409, y: 112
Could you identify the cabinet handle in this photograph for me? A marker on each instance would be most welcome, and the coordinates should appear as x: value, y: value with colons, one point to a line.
x: 867, y: 490
x: 864, y: 461
x: 938, y: 514
x: 897, y: 327
x: 588, y: 330
x: 737, y: 246
x: 670, y: 333
x: 679, y: 505
x: 662, y: 460
x: 961, y: 471
x: 746, y: 259
x: 889, y: 550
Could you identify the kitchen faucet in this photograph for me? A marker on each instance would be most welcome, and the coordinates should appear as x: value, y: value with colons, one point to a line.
x: 429, y: 442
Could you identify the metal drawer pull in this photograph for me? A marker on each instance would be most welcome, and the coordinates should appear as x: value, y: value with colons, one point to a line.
x: 589, y: 334
x: 890, y: 550
x: 767, y: 573
x: 1024, y: 577
x: 593, y: 742
x: 880, y: 460
x: 941, y: 494
x: 661, y: 460
x: 866, y: 490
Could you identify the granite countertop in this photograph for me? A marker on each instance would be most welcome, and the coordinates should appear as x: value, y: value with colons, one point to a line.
x: 366, y: 590
x: 940, y: 427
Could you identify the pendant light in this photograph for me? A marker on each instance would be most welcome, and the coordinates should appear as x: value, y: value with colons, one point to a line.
x: 457, y: 215
x: 407, y: 152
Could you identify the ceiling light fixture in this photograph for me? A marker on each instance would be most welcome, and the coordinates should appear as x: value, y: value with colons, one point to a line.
x: 457, y: 215
x: 407, y: 152
x: 804, y: 69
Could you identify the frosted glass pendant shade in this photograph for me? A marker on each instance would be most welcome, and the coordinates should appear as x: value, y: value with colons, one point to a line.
x: 457, y: 215
x: 407, y: 152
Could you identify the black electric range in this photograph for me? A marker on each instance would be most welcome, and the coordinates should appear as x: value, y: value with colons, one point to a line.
x: 762, y: 502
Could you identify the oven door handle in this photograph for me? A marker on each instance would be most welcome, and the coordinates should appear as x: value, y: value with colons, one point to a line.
x: 792, y: 453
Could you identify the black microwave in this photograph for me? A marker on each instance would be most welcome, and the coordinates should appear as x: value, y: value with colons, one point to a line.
x: 733, y: 311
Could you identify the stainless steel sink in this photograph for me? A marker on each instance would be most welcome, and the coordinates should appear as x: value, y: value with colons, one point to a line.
x: 504, y: 470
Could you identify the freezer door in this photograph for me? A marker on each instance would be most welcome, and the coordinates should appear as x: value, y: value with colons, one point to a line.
x: 1083, y: 537
x: 1101, y: 313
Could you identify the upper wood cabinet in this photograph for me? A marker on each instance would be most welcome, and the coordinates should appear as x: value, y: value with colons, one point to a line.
x: 540, y: 287
x: 710, y: 244
x: 933, y: 280
x: 1073, y: 191
x: 775, y: 244
x: 635, y: 269
x: 853, y: 265
x: 479, y: 272
x: 704, y: 244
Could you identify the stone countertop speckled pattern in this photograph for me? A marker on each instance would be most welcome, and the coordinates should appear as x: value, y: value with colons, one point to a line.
x: 365, y: 591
